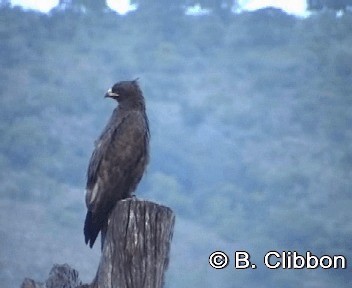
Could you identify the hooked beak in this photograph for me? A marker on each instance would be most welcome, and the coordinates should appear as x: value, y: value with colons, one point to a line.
x: 111, y: 94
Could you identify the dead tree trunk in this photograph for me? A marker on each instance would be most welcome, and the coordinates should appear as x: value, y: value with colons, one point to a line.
x: 59, y: 276
x: 137, y: 245
x: 135, y: 254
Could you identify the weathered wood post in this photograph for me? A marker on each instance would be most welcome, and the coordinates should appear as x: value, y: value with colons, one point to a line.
x: 135, y: 254
x: 137, y: 246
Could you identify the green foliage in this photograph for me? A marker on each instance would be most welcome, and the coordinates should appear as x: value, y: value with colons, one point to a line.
x: 330, y: 4
x: 250, y: 121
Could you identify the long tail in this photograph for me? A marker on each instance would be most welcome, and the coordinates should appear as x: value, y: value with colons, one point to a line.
x: 91, y: 230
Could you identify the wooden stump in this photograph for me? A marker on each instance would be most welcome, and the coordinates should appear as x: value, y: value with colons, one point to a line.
x: 137, y: 245
x: 59, y: 276
x: 135, y: 253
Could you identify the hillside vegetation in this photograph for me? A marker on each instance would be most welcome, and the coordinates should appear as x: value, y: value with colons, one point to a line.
x: 250, y: 119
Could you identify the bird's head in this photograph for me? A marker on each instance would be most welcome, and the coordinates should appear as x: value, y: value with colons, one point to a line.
x: 124, y: 91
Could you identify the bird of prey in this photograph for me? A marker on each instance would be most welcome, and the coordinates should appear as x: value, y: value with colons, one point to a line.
x: 119, y: 159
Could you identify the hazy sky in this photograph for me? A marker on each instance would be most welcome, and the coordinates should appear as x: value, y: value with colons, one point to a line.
x: 291, y: 6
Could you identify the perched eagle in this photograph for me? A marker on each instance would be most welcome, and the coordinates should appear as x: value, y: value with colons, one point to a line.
x: 119, y: 159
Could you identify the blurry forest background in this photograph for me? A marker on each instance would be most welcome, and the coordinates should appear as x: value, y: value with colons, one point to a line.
x: 250, y: 117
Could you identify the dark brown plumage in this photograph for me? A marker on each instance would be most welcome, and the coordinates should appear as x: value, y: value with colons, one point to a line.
x: 119, y: 159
